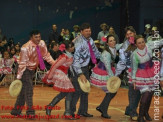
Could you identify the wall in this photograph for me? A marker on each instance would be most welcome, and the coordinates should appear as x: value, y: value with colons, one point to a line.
x: 18, y: 17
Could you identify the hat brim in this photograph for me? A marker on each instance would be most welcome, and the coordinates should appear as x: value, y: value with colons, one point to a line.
x: 113, y: 84
x: 85, y: 87
x: 15, y: 88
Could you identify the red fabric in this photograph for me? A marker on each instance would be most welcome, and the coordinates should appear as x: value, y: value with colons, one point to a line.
x: 63, y: 68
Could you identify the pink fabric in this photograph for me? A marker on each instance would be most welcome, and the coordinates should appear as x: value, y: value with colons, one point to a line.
x: 99, y: 71
x: 93, y: 57
x: 41, y: 62
x: 145, y: 73
x: 104, y: 39
x: 62, y: 47
x: 103, y: 73
x: 131, y: 40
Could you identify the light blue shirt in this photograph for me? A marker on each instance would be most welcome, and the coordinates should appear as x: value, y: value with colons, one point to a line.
x: 82, y: 54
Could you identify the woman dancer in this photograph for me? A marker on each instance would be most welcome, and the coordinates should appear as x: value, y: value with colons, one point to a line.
x: 143, y: 75
x: 58, y: 75
x: 103, y: 71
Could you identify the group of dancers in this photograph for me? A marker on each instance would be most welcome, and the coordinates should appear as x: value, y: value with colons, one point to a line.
x: 135, y: 56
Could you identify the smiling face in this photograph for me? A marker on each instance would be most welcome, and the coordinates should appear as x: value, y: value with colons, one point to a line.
x: 130, y: 34
x: 6, y: 55
x: 140, y: 43
x: 111, y: 42
x: 86, y: 33
x: 36, y: 38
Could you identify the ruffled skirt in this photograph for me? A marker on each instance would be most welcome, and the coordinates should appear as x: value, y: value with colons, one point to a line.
x: 6, y: 70
x: 60, y: 81
x: 144, y: 79
x: 99, y: 77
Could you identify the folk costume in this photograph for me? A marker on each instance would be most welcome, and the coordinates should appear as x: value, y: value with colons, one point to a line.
x: 101, y: 73
x: 84, y: 51
x: 142, y: 74
x: 31, y: 56
x: 58, y: 76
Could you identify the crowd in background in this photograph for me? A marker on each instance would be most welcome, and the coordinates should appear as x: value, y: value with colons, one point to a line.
x: 12, y: 49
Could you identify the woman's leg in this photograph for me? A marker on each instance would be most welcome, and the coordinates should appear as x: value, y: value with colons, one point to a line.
x: 55, y: 100
x: 105, y: 104
x: 143, y: 105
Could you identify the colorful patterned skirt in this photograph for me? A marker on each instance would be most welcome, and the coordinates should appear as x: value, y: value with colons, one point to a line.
x: 60, y: 81
x: 100, y: 76
x: 144, y: 77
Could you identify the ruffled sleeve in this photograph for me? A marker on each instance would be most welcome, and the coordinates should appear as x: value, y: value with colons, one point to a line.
x: 134, y: 65
x: 106, y: 58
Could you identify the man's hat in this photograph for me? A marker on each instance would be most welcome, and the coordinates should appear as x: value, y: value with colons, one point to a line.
x: 104, y: 24
x: 76, y: 26
x: 84, y: 86
x: 97, y: 42
x: 113, y: 84
x: 154, y: 28
x: 15, y: 88
x: 148, y: 26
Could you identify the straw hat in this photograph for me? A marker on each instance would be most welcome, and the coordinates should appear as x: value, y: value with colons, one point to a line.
x: 113, y: 84
x: 148, y: 26
x: 76, y: 26
x: 97, y: 42
x: 154, y: 28
x: 15, y: 88
x: 104, y: 24
x: 84, y: 86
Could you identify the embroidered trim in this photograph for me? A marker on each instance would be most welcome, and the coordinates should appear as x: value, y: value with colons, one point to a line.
x: 144, y: 54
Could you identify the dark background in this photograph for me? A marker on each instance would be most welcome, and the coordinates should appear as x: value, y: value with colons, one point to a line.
x: 19, y: 17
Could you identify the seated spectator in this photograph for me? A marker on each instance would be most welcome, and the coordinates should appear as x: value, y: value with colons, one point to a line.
x: 54, y: 52
x: 112, y: 32
x: 17, y: 47
x: 12, y: 51
x: 5, y: 64
x: 153, y: 36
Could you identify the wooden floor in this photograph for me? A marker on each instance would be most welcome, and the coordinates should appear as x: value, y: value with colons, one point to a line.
x: 44, y: 94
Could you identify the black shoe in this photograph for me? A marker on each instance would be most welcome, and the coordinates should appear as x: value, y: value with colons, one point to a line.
x: 86, y: 115
x: 48, y: 110
x: 18, y: 115
x: 106, y: 116
x: 147, y: 117
x: 141, y: 119
x: 98, y: 109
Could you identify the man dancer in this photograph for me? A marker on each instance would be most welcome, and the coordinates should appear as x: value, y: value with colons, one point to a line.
x: 84, y: 50
x: 30, y: 57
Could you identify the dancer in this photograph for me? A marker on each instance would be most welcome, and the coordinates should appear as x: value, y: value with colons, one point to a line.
x: 104, y: 70
x: 84, y: 50
x: 58, y: 76
x: 124, y: 64
x: 143, y: 75
x: 31, y: 55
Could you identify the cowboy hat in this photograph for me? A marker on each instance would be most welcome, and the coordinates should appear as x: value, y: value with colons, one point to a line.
x: 104, y: 24
x: 154, y: 28
x: 15, y: 88
x: 76, y: 26
x: 85, y: 87
x: 97, y: 42
x: 113, y: 84
x: 148, y: 26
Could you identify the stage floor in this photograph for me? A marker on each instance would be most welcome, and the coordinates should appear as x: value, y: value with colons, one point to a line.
x: 44, y: 94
